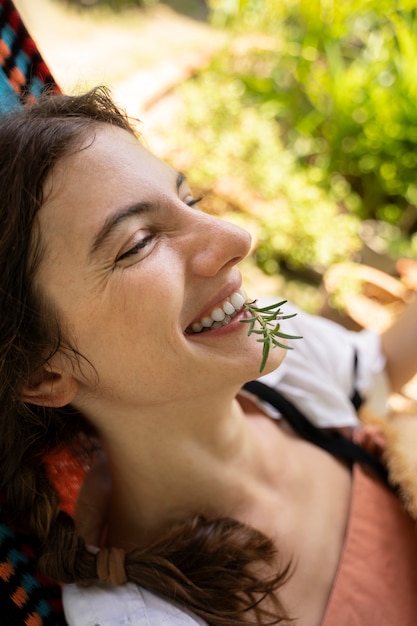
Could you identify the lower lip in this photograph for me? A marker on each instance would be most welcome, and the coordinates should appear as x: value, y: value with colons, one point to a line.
x: 231, y: 327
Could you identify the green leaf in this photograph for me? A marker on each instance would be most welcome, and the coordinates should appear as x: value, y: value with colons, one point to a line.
x: 265, y: 317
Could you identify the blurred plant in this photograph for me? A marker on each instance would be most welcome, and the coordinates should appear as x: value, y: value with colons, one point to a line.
x: 239, y: 156
x: 230, y: 142
x: 342, y: 79
x: 306, y: 124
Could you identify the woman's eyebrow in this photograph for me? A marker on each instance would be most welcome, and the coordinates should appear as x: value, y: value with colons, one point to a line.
x: 114, y: 220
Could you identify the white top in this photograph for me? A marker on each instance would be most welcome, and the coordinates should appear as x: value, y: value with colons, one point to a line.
x: 128, y: 605
x: 318, y: 377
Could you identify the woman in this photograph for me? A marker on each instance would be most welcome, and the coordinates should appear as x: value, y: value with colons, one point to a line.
x: 109, y: 273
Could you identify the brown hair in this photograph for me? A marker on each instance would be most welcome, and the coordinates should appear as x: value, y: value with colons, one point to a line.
x: 208, y: 566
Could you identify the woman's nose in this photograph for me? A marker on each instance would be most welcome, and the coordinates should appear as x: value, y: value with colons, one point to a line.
x: 217, y: 244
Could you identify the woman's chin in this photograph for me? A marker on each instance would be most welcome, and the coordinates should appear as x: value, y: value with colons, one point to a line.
x: 275, y: 357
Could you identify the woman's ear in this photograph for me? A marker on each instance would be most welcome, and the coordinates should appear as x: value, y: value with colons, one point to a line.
x: 53, y: 384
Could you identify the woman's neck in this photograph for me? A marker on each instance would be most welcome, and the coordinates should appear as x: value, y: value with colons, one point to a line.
x: 211, y: 461
x: 238, y: 464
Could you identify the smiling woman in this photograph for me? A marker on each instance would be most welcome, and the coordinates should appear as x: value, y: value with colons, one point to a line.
x: 158, y: 488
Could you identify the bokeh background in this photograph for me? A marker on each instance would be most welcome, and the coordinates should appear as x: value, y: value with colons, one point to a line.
x: 295, y: 119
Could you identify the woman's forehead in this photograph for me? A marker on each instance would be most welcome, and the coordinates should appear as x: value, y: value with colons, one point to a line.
x: 111, y: 146
x: 107, y: 162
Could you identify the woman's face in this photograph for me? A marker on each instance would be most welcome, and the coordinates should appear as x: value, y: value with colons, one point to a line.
x: 131, y: 266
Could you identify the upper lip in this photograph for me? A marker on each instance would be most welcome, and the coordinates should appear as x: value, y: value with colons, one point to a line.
x: 230, y: 287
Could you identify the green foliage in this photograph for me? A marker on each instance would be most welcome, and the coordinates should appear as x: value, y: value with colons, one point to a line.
x: 306, y: 124
x: 231, y: 144
x: 342, y: 78
x: 264, y: 321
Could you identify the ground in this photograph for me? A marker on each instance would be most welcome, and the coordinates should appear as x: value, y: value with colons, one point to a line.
x: 139, y: 53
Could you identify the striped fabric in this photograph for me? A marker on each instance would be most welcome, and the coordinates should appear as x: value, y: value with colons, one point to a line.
x: 23, y: 73
x: 26, y: 598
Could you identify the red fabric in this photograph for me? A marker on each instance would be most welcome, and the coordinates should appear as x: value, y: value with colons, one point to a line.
x: 377, y: 578
x: 14, y: 18
x: 66, y: 472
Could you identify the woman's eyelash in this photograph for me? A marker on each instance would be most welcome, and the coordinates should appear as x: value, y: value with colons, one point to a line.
x: 194, y: 201
x: 138, y: 246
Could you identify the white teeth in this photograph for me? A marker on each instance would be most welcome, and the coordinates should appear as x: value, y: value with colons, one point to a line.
x: 237, y: 300
x: 228, y: 308
x: 221, y: 316
x: 218, y: 315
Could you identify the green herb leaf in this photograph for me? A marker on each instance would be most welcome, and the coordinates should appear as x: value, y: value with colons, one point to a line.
x: 268, y: 319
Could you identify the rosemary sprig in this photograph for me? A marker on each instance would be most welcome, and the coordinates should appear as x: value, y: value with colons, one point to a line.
x: 268, y: 318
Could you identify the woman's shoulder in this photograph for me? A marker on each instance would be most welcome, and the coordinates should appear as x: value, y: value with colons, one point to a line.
x: 107, y: 605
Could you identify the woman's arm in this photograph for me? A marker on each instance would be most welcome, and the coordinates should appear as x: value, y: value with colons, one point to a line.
x: 399, y: 345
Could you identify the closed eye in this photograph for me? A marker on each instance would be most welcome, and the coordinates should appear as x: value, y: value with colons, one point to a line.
x: 140, y: 249
x: 193, y: 201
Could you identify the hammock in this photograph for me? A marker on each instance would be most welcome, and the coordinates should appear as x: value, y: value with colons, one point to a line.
x: 23, y: 73
x: 26, y: 598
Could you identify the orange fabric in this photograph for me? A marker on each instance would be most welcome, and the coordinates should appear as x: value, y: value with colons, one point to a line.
x: 66, y: 469
x: 20, y: 596
x: 34, y: 620
x: 377, y: 578
x: 66, y: 473
x: 6, y: 570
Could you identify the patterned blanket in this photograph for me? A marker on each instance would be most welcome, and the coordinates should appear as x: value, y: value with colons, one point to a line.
x: 26, y: 598
x: 23, y: 73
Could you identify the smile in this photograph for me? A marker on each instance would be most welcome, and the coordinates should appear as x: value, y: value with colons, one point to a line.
x: 221, y: 315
